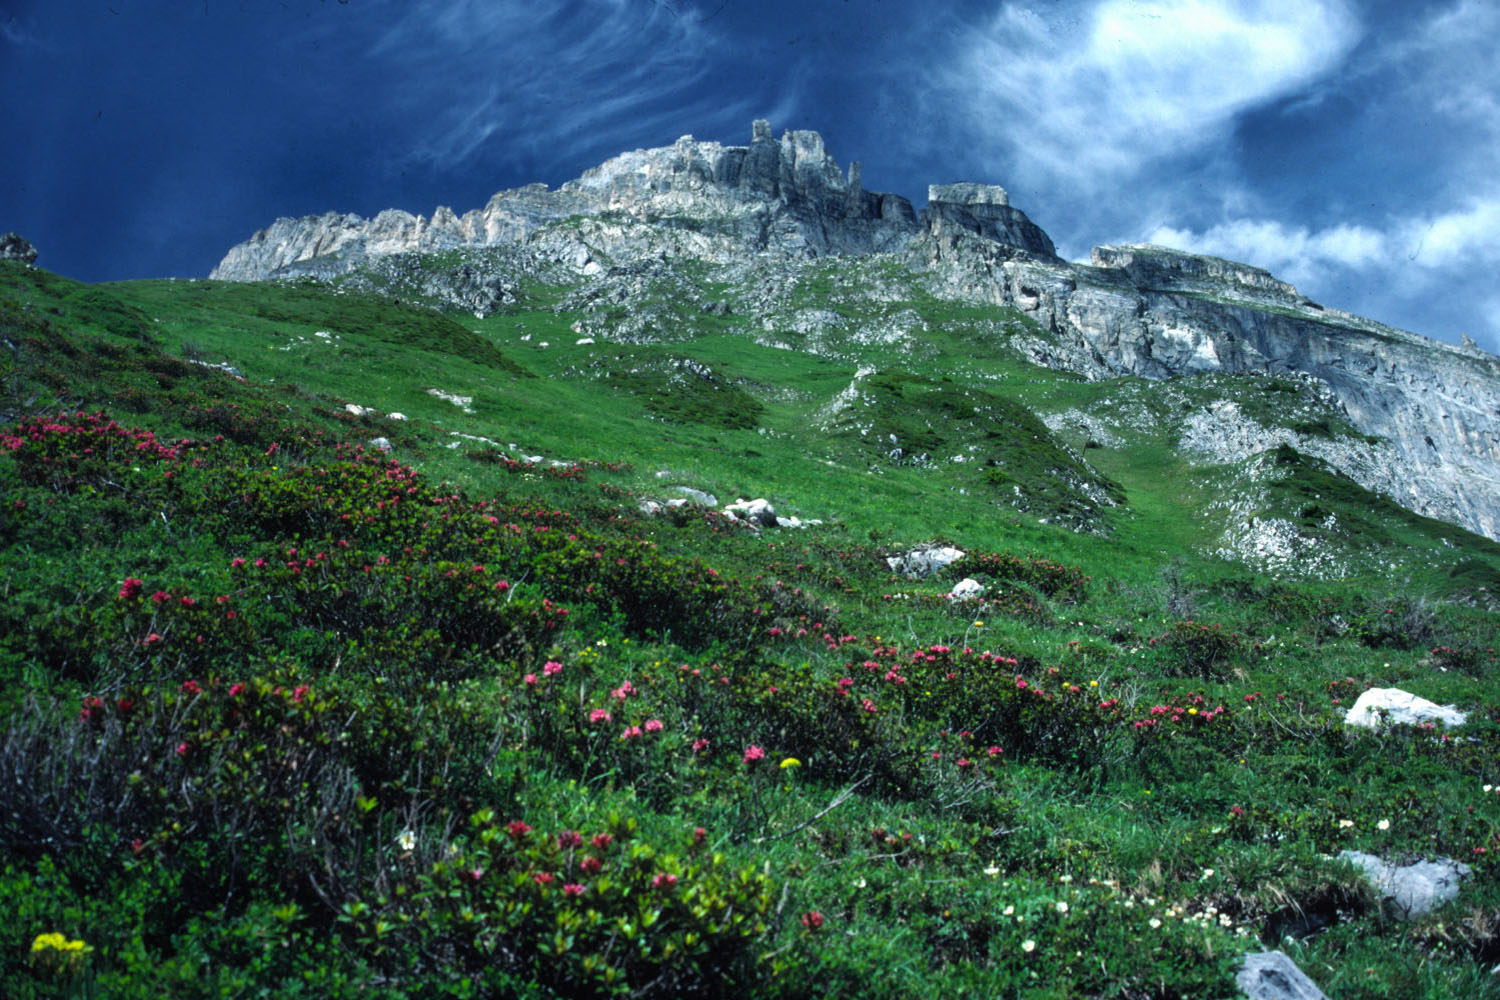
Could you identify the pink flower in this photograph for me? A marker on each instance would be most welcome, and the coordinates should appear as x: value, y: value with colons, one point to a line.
x: 518, y: 828
x: 161, y: 597
x: 131, y: 587
x: 236, y: 562
x: 591, y: 865
x: 530, y: 679
x: 182, y: 749
x: 236, y: 689
x: 569, y: 839
x: 551, y: 667
x: 573, y: 889
x: 599, y: 715
x: 700, y: 745
x: 995, y: 751
x: 754, y: 753
x: 812, y: 920
x: 543, y: 878
x: 664, y: 881
x: 601, y: 840
x: 653, y: 725
x: 151, y: 639
x: 631, y: 732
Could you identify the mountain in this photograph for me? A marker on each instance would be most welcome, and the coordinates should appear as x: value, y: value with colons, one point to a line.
x: 1427, y: 414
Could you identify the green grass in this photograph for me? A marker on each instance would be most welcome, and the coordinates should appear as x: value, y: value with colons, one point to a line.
x: 320, y: 828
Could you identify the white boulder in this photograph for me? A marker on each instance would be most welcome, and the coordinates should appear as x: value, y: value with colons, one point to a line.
x: 1379, y: 707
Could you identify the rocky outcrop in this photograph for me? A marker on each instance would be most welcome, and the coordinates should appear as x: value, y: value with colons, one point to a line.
x: 784, y: 194
x: 14, y: 246
x: 985, y: 211
x: 1158, y: 313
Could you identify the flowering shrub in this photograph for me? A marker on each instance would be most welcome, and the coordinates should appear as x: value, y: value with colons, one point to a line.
x: 1194, y: 649
x: 583, y: 914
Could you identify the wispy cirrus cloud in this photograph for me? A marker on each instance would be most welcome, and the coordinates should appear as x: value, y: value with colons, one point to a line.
x: 547, y: 81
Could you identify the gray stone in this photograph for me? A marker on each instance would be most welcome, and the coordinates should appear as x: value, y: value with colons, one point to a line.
x: 1411, y: 890
x: 698, y: 496
x: 758, y: 512
x: 1270, y: 975
x: 1379, y: 707
x: 967, y: 589
x: 925, y: 561
x: 14, y: 246
x: 381, y: 443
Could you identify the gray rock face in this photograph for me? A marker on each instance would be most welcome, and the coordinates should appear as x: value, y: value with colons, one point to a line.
x: 1411, y: 890
x: 786, y: 195
x: 985, y: 211
x: 1158, y: 313
x: 14, y: 246
x: 1270, y: 975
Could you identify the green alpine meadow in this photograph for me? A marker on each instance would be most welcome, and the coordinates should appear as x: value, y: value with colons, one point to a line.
x: 677, y: 620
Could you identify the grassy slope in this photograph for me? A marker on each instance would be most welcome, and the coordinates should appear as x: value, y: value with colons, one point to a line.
x: 1120, y: 823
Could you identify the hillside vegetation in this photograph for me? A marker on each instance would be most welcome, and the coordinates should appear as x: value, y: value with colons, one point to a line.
x: 291, y: 714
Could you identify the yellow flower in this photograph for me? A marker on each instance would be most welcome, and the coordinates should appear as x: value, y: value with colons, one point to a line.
x: 790, y: 762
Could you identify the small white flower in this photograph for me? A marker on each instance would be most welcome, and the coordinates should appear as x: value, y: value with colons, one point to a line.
x: 1208, y: 873
x: 859, y: 883
x: 1384, y: 824
x: 407, y: 840
x: 1487, y: 788
x: 992, y: 871
x: 1065, y: 878
x: 1345, y: 824
x: 1062, y: 907
x: 1155, y: 923
x: 1007, y: 911
x: 1028, y: 946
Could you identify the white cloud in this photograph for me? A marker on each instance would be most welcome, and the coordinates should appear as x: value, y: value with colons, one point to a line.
x: 506, y: 77
x: 1124, y: 83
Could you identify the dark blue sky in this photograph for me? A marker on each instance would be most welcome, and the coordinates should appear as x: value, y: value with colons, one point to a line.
x: 1347, y: 146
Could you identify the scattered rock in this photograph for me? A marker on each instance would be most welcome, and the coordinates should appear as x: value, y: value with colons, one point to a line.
x: 698, y: 496
x: 584, y: 341
x: 1270, y: 975
x: 1411, y: 890
x: 396, y: 416
x: 383, y: 444
x: 1380, y: 707
x: 967, y: 589
x: 649, y: 507
x: 925, y: 561
x: 758, y: 511
x: 14, y: 246
x: 358, y: 411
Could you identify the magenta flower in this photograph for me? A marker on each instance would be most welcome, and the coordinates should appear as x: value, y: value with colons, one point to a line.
x: 700, y: 745
x: 664, y: 881
x: 653, y: 725
x: 551, y: 667
x: 569, y: 839
x: 602, y: 840
x: 530, y: 679
x: 753, y: 753
x: 631, y: 732
x: 518, y: 828
x: 599, y: 715
x: 131, y: 587
x: 591, y: 865
x: 543, y: 878
x: 573, y: 889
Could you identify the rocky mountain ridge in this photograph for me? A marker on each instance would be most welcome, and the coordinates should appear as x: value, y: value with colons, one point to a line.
x: 1429, y: 412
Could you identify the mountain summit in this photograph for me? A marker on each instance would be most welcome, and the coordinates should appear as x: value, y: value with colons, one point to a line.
x: 1427, y: 413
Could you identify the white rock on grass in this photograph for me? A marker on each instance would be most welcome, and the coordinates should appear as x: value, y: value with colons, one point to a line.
x: 924, y: 562
x: 1411, y: 890
x: 357, y: 410
x: 1270, y: 975
x: 1379, y: 707
x: 967, y: 589
x: 758, y: 511
x: 396, y: 416
x: 381, y: 443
